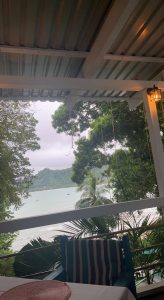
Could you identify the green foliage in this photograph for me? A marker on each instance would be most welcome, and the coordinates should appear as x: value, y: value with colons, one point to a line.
x: 17, y: 136
x: 75, y: 121
x: 86, y: 159
x: 156, y: 237
x: 38, y: 260
x: 52, y: 179
x: 131, y: 177
x: 144, y: 237
x: 6, y: 265
x: 93, y: 192
x: 130, y: 170
x: 90, y: 227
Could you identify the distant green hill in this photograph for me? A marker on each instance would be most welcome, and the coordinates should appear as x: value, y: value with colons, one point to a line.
x: 52, y: 179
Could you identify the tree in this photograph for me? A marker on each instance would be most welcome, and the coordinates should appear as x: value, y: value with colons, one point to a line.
x: 17, y: 136
x: 131, y: 177
x: 110, y: 125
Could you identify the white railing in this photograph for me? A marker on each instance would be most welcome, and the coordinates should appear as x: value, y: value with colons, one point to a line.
x: 85, y: 213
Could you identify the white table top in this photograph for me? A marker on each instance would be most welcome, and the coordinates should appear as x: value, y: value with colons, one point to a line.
x: 79, y: 291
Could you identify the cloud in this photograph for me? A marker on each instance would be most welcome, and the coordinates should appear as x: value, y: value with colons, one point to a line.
x: 56, y: 149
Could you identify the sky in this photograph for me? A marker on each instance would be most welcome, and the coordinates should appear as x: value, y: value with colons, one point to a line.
x: 56, y: 150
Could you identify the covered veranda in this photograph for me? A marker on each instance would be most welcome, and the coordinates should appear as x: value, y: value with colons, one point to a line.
x: 70, y: 51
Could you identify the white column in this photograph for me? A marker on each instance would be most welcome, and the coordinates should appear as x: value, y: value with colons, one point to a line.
x: 155, y: 139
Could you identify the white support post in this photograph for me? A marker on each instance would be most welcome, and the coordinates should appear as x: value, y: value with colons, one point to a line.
x: 155, y: 139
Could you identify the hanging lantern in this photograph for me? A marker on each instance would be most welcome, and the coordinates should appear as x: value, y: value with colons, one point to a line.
x: 155, y: 94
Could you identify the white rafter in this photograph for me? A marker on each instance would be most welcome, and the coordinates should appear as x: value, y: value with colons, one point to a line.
x: 134, y: 58
x: 57, y: 83
x: 115, y: 21
x: 42, y: 51
x: 76, y: 54
x: 70, y: 101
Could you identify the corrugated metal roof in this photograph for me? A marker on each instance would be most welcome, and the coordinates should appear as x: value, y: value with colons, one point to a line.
x: 58, y: 24
x: 74, y: 25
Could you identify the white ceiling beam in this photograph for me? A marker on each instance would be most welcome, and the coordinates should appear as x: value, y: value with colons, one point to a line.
x: 73, y: 99
x: 23, y: 97
x: 115, y: 21
x: 135, y: 58
x: 24, y: 82
x: 41, y: 51
x: 107, y: 99
x: 76, y: 54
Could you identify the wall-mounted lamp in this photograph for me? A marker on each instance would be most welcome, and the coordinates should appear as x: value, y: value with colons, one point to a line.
x: 154, y: 93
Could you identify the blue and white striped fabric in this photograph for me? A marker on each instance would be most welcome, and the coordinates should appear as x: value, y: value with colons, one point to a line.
x: 92, y: 261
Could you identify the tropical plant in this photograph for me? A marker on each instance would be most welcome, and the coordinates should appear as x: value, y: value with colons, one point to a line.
x: 89, y: 227
x: 36, y: 257
x: 93, y: 192
x: 156, y: 237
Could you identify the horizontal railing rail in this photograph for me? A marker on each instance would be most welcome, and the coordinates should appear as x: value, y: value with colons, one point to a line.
x: 121, y: 231
x: 25, y: 251
x: 85, y: 213
x: 156, y: 246
x: 149, y: 266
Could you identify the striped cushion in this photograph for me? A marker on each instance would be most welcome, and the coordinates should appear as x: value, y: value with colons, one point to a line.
x: 92, y: 261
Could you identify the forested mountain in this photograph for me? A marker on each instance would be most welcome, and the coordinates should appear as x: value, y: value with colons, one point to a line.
x: 52, y: 179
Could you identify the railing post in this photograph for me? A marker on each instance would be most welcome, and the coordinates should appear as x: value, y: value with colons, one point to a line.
x: 156, y: 141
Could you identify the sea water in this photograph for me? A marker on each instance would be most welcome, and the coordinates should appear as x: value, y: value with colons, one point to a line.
x: 42, y: 203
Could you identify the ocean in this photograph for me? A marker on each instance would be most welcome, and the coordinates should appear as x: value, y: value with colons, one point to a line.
x: 44, y: 202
